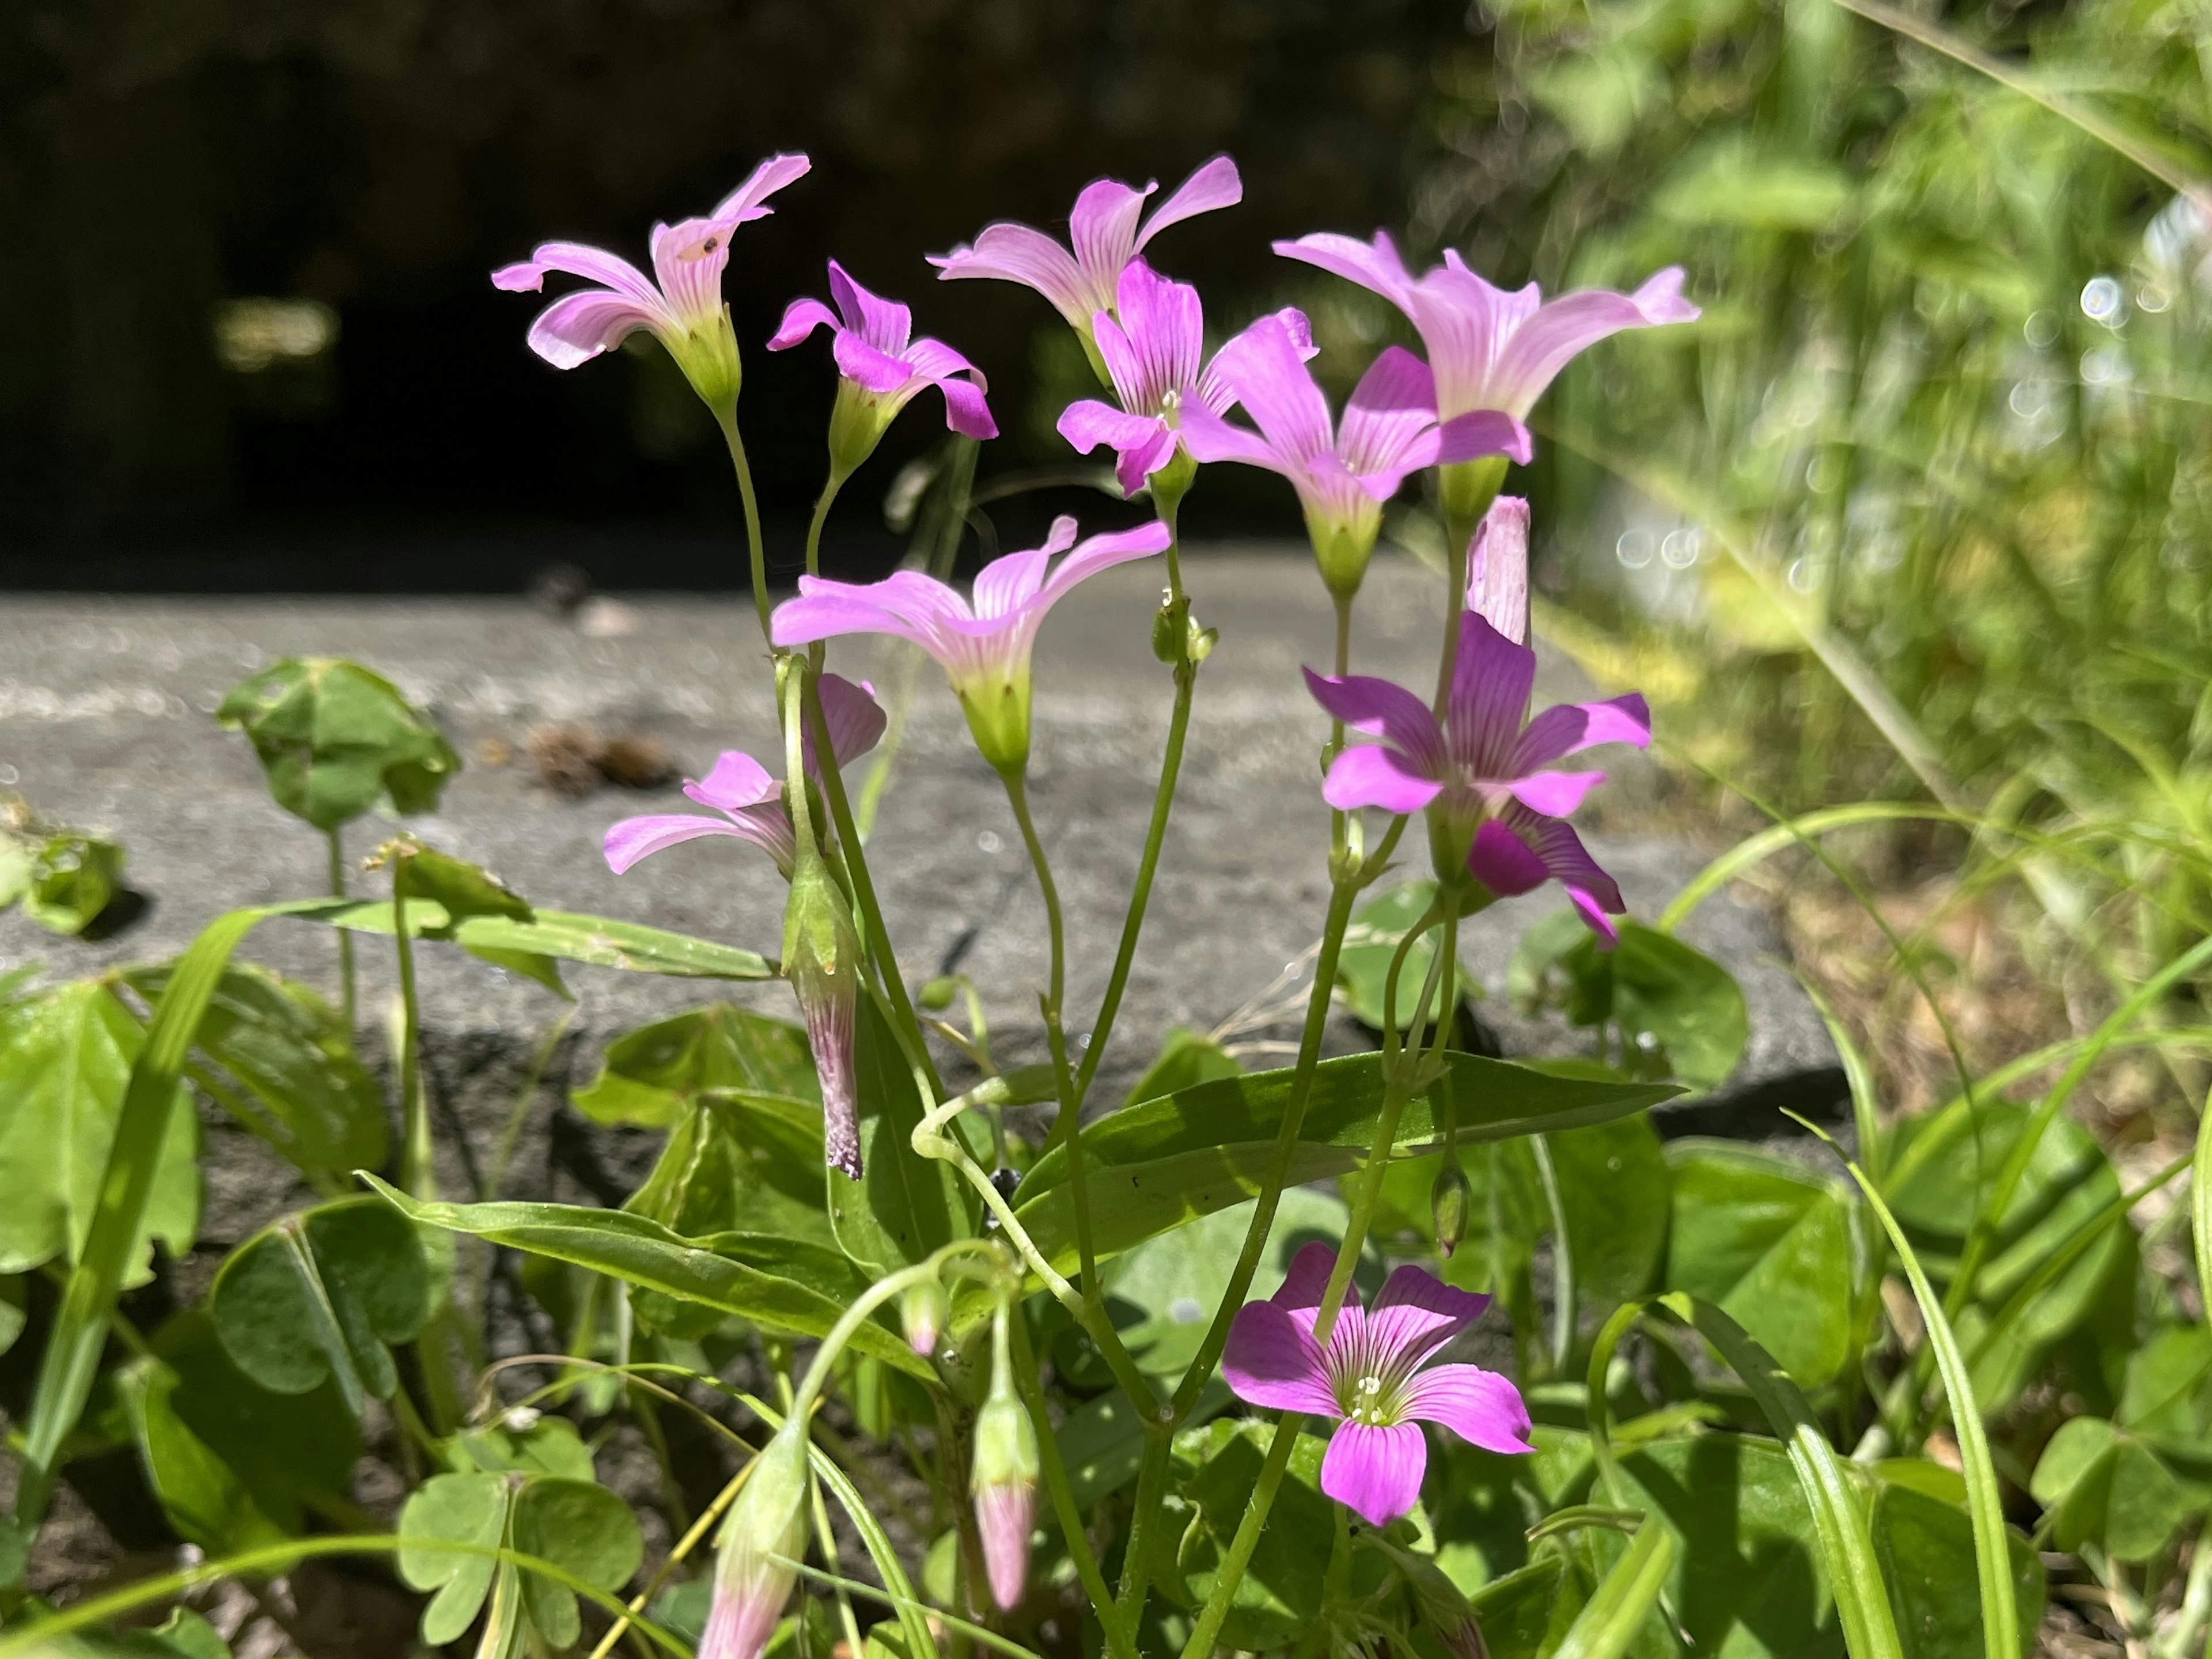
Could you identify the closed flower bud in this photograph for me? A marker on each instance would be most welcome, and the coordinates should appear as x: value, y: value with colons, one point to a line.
x: 1003, y: 1479
x: 923, y: 1310
x: 822, y: 959
x: 1442, y: 1608
x: 1449, y: 1201
x: 762, y: 1541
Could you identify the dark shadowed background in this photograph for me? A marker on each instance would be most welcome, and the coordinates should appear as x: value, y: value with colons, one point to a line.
x: 171, y: 167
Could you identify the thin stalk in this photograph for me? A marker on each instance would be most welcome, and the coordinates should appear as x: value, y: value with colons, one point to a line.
x: 345, y: 935
x: 756, y: 549
x: 1140, y: 896
x: 829, y: 489
x: 864, y: 894
x: 417, y: 1173
x: 1063, y: 1496
x: 1459, y: 537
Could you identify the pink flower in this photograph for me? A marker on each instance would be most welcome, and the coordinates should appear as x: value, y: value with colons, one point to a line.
x: 749, y: 797
x: 1484, y: 773
x: 1343, y: 472
x: 985, y: 648
x: 1497, y: 569
x: 1107, y: 234
x: 684, y: 310
x: 880, y: 367
x: 1152, y: 355
x: 1489, y: 349
x: 1374, y: 1376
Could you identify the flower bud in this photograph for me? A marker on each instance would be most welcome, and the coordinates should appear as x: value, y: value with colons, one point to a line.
x: 822, y: 959
x: 1442, y: 1608
x: 1449, y: 1201
x: 1497, y: 569
x: 923, y: 1311
x: 1003, y: 1478
x: 763, y: 1536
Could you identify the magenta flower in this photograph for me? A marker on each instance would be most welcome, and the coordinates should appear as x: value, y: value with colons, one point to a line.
x: 880, y: 367
x: 1152, y: 355
x: 747, y: 796
x: 1343, y: 472
x: 1483, y: 774
x: 684, y: 309
x: 1375, y: 1376
x: 1489, y: 349
x: 1497, y: 569
x: 1107, y: 234
x: 985, y: 648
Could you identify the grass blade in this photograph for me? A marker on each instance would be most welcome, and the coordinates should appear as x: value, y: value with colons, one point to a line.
x: 1839, y: 1520
x: 1984, y: 1507
x: 1615, y: 1615
x: 2200, y: 1204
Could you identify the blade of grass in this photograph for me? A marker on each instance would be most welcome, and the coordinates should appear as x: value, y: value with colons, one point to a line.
x: 1615, y: 1616
x: 1984, y: 1505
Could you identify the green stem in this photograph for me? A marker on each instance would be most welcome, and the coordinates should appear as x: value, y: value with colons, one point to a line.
x: 1056, y: 1486
x: 864, y: 894
x: 1018, y: 797
x: 1459, y: 533
x: 755, y: 548
x: 417, y: 1172
x: 345, y: 935
x: 829, y: 489
x: 1140, y: 896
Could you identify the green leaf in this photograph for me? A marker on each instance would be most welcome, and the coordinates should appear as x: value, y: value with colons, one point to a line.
x: 1768, y: 1242
x: 1730, y: 182
x: 651, y: 1076
x: 1925, y: 1544
x: 579, y: 1526
x: 203, y: 1498
x: 1525, y: 1614
x: 1185, y: 1057
x: 69, y: 879
x: 1497, y: 1100
x: 1676, y: 1010
x: 321, y: 1295
x: 1618, y: 1194
x: 742, y: 1163
x: 904, y: 1206
x: 2109, y: 1487
x: 13, y: 1315
x: 65, y: 1064
x: 1372, y: 939
x: 547, y: 1445
x: 289, y: 1451
x: 293, y: 1054
x: 601, y: 941
x: 452, y: 1508
x: 333, y: 739
x: 781, y: 1283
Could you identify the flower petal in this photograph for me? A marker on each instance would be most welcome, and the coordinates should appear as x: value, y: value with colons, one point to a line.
x: 594, y: 264
x: 1214, y: 185
x: 1485, y: 431
x: 1376, y: 1471
x: 1097, y: 553
x: 826, y: 609
x: 1210, y: 438
x: 1415, y: 1313
x: 855, y: 720
x: 1369, y: 774
x: 737, y: 781
x: 1385, y: 709
x: 1372, y: 265
x: 1503, y: 862
x: 1307, y: 1282
x: 1480, y: 1407
x: 1271, y: 1359
x: 1020, y: 254
x: 1262, y: 367
x: 1566, y: 727
x: 577, y: 327
x: 883, y: 324
x: 870, y: 368
x: 1465, y: 323
x: 632, y: 839
x: 1009, y: 582
x: 744, y: 203
x: 1498, y: 572
x: 800, y: 318
x: 1573, y: 323
x: 1490, y: 682
x: 1568, y: 862
x: 1087, y: 423
x: 1103, y: 230
x: 966, y: 413
x: 1555, y: 794
x: 1155, y: 346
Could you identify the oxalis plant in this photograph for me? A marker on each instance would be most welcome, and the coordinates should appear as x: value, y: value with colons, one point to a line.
x: 1187, y: 1372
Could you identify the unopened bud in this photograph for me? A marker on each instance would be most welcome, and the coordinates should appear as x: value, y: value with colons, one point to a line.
x: 938, y: 993
x: 923, y: 1310
x: 756, y: 1555
x: 1450, y: 1200
x: 822, y: 959
x: 1442, y: 1608
x: 1497, y: 569
x: 1003, y: 1479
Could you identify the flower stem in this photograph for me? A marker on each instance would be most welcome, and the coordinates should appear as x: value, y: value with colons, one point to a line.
x: 345, y: 935
x: 1018, y: 797
x: 829, y: 489
x: 1063, y: 1496
x: 1133, y: 924
x: 417, y: 1170
x: 878, y: 938
x: 727, y: 419
x: 1459, y: 535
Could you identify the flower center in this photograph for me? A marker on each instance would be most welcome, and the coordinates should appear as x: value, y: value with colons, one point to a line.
x: 1367, y: 1404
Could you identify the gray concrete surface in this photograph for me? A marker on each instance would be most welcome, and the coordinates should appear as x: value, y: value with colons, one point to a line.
x: 106, y: 709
